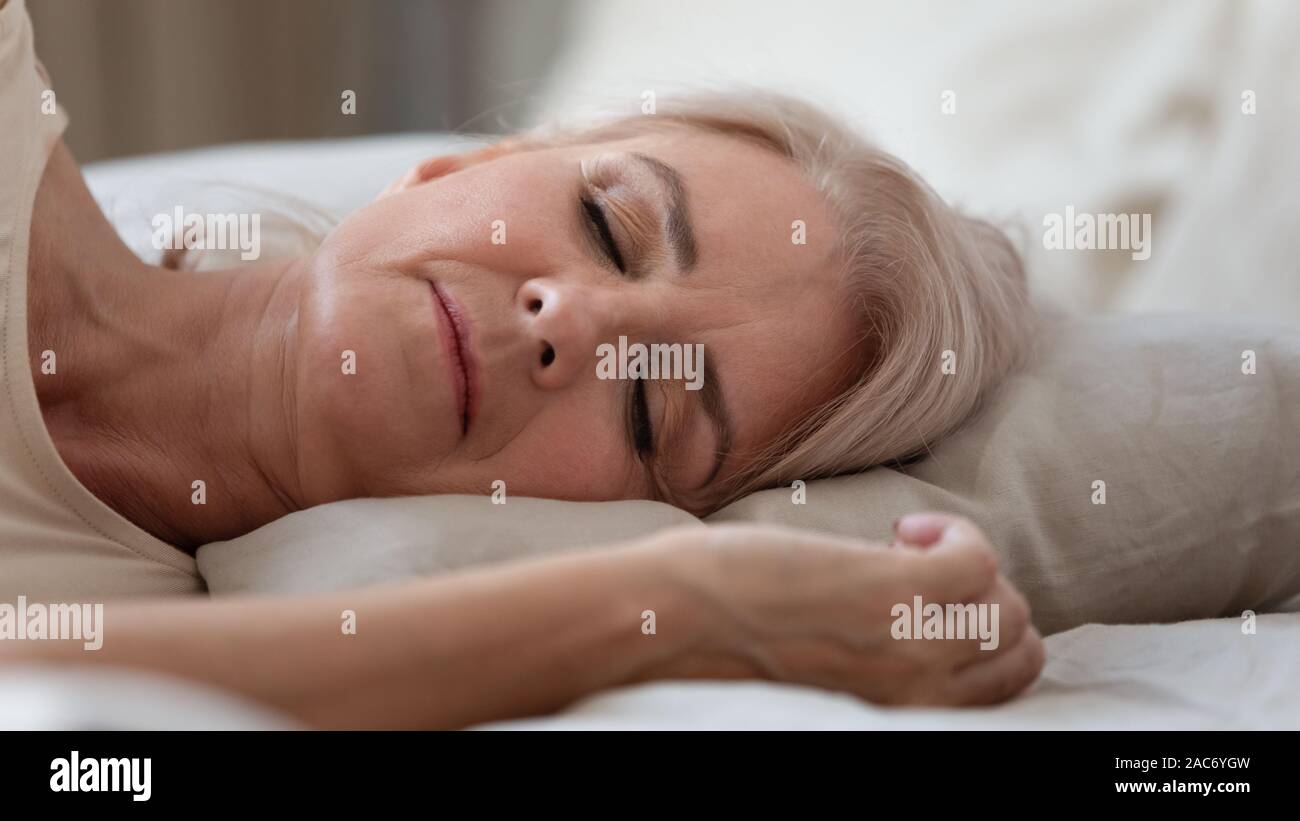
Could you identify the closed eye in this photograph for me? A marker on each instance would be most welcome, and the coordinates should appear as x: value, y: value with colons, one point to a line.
x: 638, y: 421
x: 600, y: 225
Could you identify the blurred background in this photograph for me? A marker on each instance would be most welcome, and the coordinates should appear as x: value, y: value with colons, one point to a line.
x: 140, y: 76
x: 1187, y: 110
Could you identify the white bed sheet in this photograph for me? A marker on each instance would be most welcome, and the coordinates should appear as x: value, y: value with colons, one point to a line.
x: 87, y: 697
x: 1196, y: 675
x: 1190, y: 676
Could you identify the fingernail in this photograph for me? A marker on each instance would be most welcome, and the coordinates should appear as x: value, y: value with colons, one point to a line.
x: 911, y: 518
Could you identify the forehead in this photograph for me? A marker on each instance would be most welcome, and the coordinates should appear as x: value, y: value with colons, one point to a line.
x: 764, y: 296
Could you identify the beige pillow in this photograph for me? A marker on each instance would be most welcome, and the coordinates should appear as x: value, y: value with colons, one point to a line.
x: 368, y: 541
x: 1200, y: 463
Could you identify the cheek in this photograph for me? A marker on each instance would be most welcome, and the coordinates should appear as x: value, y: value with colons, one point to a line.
x: 569, y: 449
x: 364, y: 414
x: 514, y: 218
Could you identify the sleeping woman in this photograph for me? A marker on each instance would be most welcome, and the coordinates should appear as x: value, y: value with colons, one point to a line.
x: 821, y: 277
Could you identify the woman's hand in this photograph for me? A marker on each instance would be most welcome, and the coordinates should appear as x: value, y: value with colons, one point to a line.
x: 810, y: 608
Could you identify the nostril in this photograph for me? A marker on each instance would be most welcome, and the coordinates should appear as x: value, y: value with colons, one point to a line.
x: 548, y: 356
x: 534, y: 306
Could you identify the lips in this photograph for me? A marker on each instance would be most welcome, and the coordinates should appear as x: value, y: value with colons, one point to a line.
x: 453, y: 326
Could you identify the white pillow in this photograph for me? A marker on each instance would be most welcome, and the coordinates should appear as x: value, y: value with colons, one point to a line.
x: 333, y: 176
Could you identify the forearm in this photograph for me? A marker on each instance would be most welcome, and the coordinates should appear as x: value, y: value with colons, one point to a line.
x: 449, y: 651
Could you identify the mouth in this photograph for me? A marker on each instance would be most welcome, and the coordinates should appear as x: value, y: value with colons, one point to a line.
x: 453, y: 326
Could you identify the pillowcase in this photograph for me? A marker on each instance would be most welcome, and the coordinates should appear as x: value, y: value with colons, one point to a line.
x: 1133, y: 471
x: 287, y: 182
x: 360, y: 542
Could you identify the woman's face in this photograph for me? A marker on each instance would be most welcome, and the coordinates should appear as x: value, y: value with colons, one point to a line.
x: 474, y: 297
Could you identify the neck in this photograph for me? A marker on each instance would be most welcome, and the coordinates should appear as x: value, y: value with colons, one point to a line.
x: 163, y: 379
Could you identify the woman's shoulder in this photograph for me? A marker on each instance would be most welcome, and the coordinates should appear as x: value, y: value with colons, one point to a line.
x: 34, y: 120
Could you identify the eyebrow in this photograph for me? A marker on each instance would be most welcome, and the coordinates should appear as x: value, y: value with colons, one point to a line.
x: 680, y: 231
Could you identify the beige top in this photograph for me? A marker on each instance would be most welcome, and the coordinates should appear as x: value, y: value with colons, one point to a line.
x: 58, y: 542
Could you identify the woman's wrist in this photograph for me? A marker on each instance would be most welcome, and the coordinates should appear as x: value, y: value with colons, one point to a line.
x: 556, y: 629
x: 691, y: 635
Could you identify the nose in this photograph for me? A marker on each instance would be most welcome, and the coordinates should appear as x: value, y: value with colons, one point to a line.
x: 564, y: 322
